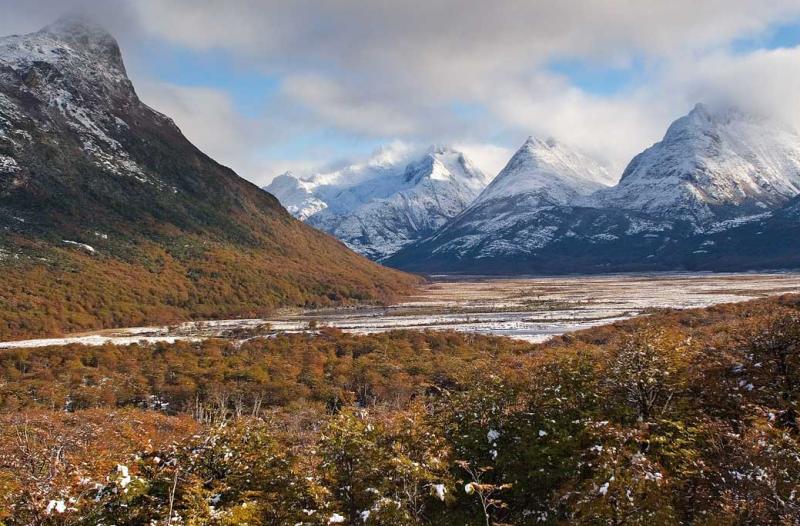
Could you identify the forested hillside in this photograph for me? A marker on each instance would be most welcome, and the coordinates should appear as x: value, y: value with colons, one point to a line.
x: 110, y: 217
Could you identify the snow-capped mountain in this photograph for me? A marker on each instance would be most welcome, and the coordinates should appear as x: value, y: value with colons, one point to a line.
x: 713, y: 164
x: 380, y: 206
x: 75, y: 68
x: 504, y: 218
x: 546, y: 172
x: 344, y: 187
x: 719, y: 192
x: 296, y: 195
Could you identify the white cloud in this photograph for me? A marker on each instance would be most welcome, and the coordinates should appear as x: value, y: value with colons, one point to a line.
x: 392, y: 69
x: 346, y: 109
x: 208, y: 118
x: 615, y: 128
x: 453, y: 37
x: 765, y: 82
x: 489, y: 158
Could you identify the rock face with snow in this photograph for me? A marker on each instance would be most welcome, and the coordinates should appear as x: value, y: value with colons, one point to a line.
x: 85, y: 163
x: 506, y: 218
x: 719, y: 192
x: 343, y: 188
x: 712, y: 165
x: 71, y: 73
x: 380, y: 206
x: 296, y: 195
x: 547, y: 173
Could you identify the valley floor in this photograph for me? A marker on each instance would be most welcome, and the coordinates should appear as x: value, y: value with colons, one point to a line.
x: 527, y: 308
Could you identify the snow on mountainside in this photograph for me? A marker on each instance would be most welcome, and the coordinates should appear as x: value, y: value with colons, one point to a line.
x: 342, y: 188
x: 75, y: 67
x: 380, y: 206
x: 713, y: 164
x: 504, y: 219
x: 718, y: 193
x: 549, y: 172
x: 296, y: 195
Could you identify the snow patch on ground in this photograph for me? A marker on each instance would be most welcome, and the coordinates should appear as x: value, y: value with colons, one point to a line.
x: 94, y: 340
x: 84, y: 246
x: 8, y: 165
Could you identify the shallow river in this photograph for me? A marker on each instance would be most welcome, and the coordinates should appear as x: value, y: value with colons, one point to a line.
x: 532, y: 309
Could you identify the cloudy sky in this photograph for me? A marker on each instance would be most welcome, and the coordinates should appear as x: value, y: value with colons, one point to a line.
x: 265, y: 86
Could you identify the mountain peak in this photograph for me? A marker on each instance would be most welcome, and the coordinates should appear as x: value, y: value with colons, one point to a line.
x: 713, y: 162
x: 705, y: 115
x: 551, y: 171
x: 441, y: 149
x: 77, y: 25
x: 700, y: 108
x: 535, y: 143
x: 83, y: 33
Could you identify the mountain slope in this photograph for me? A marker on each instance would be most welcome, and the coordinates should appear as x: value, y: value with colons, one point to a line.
x: 716, y: 194
x: 385, y: 204
x: 567, y: 240
x: 711, y: 165
x: 509, y: 217
x: 109, y: 216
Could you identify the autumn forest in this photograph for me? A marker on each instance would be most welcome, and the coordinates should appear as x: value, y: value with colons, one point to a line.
x: 677, y: 417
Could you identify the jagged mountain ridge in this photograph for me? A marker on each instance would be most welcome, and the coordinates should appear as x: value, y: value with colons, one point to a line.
x: 109, y: 216
x: 343, y: 187
x: 718, y: 193
x: 380, y: 206
x: 503, y: 218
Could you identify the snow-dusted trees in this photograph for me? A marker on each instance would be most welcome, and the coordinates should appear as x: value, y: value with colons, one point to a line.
x: 387, y: 469
x: 646, y: 369
x: 680, y: 418
x: 775, y: 359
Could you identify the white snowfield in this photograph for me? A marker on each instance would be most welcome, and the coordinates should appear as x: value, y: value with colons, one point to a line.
x: 380, y: 206
x: 531, y: 309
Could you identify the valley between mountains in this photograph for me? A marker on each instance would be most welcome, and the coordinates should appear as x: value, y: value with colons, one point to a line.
x: 405, y: 340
